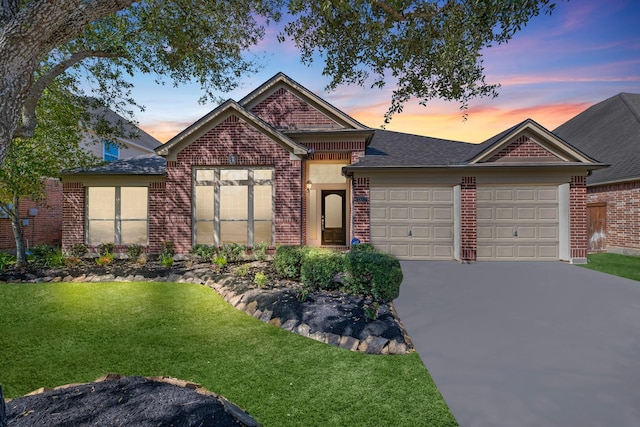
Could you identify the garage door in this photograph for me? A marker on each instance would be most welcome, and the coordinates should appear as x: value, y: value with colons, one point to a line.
x: 413, y: 222
x: 518, y: 223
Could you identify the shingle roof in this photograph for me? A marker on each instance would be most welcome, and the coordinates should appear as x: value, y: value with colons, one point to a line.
x: 610, y: 132
x: 131, y: 133
x: 396, y: 149
x: 147, y: 164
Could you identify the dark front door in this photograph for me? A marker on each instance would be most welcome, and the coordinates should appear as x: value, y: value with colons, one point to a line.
x: 597, y: 220
x: 334, y: 231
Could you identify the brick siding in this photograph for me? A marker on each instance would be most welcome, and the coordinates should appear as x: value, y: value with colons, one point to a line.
x: 623, y: 213
x: 578, y: 217
x: 360, y: 210
x: 522, y: 147
x: 73, y: 214
x: 46, y: 227
x: 468, y: 220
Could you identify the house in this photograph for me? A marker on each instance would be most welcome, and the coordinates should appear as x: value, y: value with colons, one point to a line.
x: 610, y: 131
x: 284, y: 166
x: 42, y: 221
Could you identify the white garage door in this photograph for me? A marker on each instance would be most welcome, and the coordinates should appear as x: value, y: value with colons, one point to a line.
x: 413, y: 222
x: 518, y: 223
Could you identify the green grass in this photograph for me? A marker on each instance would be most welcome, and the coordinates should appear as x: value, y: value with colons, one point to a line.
x: 54, y: 334
x: 618, y: 265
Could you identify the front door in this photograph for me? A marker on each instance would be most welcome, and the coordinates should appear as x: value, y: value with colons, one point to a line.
x: 332, y: 221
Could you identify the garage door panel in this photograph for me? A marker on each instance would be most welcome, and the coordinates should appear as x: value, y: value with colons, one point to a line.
x: 414, y: 222
x: 518, y: 223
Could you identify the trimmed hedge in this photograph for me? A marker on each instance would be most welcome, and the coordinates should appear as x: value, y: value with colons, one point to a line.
x: 320, y: 266
x: 373, y: 273
x: 288, y: 259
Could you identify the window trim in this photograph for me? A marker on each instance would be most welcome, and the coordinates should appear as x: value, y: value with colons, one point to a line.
x: 117, y: 220
x: 217, y: 183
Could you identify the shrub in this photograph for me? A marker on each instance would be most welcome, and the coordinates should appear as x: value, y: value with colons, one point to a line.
x: 260, y: 279
x: 288, y: 259
x: 40, y: 253
x: 55, y: 258
x: 374, y: 274
x: 6, y: 260
x: 371, y: 310
x: 78, y: 250
x: 106, y: 248
x: 166, y: 260
x: 232, y: 251
x: 204, y: 252
x: 363, y: 247
x: 134, y: 251
x: 168, y: 249
x: 219, y: 262
x: 71, y: 261
x: 319, y: 266
x: 105, y: 259
x: 242, y: 270
x: 260, y: 250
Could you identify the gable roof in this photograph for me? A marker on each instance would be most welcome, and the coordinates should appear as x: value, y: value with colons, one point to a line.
x: 132, y: 134
x: 225, y: 110
x: 146, y: 164
x: 610, y: 132
x: 281, y: 80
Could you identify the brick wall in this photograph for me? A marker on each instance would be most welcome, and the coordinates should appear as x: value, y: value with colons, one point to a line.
x: 284, y: 110
x: 522, y: 147
x: 578, y: 217
x: 157, y: 213
x: 468, y: 219
x: 360, y: 210
x: 45, y: 227
x: 623, y: 213
x: 233, y: 136
x: 73, y: 214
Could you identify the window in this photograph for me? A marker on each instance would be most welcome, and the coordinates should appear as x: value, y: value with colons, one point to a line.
x: 117, y: 215
x: 111, y: 151
x: 233, y: 206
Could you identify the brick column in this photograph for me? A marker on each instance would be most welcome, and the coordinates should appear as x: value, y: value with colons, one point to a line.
x: 468, y: 219
x: 73, y: 210
x: 578, y: 218
x: 157, y: 205
x: 361, y: 221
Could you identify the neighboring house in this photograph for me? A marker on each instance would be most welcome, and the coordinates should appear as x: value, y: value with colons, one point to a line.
x: 610, y: 131
x: 283, y: 166
x: 42, y: 221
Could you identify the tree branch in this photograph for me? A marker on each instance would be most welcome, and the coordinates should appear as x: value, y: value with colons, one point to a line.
x: 29, y: 119
x: 8, y: 10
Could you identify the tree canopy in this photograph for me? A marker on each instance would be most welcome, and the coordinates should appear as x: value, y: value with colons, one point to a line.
x: 423, y: 49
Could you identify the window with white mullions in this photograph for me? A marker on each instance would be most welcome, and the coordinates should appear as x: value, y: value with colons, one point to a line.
x: 233, y: 205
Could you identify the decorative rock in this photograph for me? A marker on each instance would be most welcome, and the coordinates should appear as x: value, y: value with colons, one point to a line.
x: 302, y: 329
x: 275, y: 322
x: 257, y: 314
x: 108, y: 278
x: 57, y: 279
x: 266, y: 315
x: 242, y: 306
x: 235, y: 300
x: 251, y: 308
x: 77, y: 279
x: 332, y: 339
x: 349, y: 343
x: 372, y: 345
x: 290, y: 324
x: 318, y: 336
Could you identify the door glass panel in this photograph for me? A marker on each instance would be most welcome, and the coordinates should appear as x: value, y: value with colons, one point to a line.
x: 234, y: 202
x: 333, y: 211
x: 326, y: 173
x: 233, y: 232
x: 134, y: 232
x: 262, y: 232
x: 234, y: 174
x: 133, y: 203
x: 204, y: 232
x: 204, y: 202
x: 102, y: 203
x: 262, y: 202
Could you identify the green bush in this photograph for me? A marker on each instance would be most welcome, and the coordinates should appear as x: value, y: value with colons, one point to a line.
x: 6, y: 260
x: 40, y: 253
x: 204, y: 252
x: 363, y: 247
x: 55, y: 258
x: 232, y: 251
x: 168, y: 249
x: 260, y: 250
x: 319, y: 266
x: 78, y: 250
x: 374, y: 274
x: 242, y: 270
x: 134, y: 251
x: 106, y: 248
x: 260, y: 279
x: 288, y: 259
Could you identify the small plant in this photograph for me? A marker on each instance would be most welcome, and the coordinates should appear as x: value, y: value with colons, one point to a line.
x: 104, y: 260
x: 242, y: 270
x: 168, y: 248
x: 134, y: 251
x: 6, y: 260
x: 166, y: 260
x: 232, y: 251
x: 40, y: 253
x: 371, y: 310
x: 260, y: 279
x: 142, y: 259
x: 55, y: 258
x: 302, y: 294
x: 219, y: 262
x: 260, y: 250
x: 204, y: 252
x: 78, y: 250
x: 106, y: 248
x: 72, y: 261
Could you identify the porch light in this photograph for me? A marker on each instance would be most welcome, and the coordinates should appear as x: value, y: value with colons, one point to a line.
x: 309, y: 184
x: 233, y: 159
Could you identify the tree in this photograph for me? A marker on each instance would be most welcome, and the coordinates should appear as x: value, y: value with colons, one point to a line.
x: 53, y: 147
x: 426, y: 48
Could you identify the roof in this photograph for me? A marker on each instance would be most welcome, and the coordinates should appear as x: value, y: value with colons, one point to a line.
x: 147, y: 164
x: 610, y: 132
x: 131, y: 134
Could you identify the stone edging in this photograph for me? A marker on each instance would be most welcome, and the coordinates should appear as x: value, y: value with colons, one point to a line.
x: 370, y: 345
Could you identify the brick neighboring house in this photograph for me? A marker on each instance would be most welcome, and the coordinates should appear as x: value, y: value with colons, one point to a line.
x: 610, y: 131
x: 284, y: 166
x: 42, y: 221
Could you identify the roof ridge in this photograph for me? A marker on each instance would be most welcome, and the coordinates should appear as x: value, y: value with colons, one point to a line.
x: 633, y: 111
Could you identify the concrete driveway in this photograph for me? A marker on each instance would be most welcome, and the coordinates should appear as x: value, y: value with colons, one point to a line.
x: 526, y: 344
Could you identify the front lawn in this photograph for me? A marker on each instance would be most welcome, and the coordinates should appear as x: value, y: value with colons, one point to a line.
x: 618, y: 265
x: 54, y: 334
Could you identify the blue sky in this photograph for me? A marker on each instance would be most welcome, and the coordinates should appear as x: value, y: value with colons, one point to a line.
x: 556, y: 67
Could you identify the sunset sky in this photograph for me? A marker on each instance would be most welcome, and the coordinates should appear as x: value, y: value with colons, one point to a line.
x: 556, y: 67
